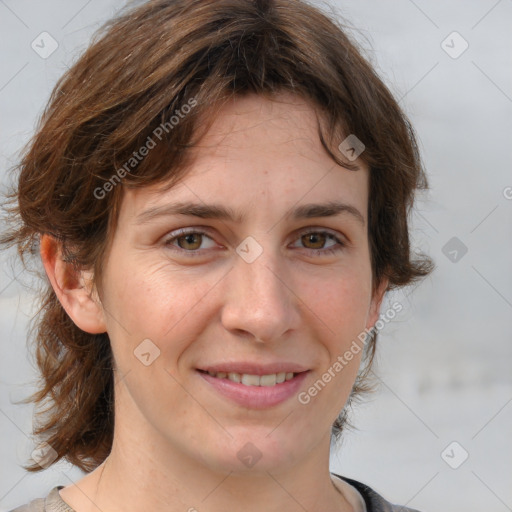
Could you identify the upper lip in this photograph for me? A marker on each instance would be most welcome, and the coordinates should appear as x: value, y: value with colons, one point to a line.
x: 252, y: 368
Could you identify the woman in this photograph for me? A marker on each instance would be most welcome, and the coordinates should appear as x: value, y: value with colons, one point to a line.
x: 219, y: 193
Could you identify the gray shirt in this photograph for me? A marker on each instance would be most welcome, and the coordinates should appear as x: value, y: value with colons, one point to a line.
x: 373, y: 501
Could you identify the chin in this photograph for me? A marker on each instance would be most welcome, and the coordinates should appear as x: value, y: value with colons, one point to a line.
x: 254, y: 449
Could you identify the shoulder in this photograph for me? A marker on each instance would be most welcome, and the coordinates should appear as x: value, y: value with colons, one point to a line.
x: 51, y: 503
x: 374, y: 501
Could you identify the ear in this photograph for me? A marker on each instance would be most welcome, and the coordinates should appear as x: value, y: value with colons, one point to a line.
x: 73, y: 288
x: 378, y: 296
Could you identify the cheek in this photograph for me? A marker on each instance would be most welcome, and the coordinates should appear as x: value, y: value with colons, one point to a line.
x: 152, y: 319
x: 340, y: 300
x: 155, y: 301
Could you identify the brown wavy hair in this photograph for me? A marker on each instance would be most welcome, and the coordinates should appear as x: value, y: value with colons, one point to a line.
x: 139, y: 71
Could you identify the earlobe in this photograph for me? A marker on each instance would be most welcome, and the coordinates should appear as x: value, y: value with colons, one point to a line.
x: 73, y: 288
x: 374, y: 312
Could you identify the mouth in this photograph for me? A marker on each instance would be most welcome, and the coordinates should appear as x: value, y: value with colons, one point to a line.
x: 247, y: 379
x: 253, y: 390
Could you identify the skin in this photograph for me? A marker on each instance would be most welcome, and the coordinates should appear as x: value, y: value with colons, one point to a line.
x: 176, y: 439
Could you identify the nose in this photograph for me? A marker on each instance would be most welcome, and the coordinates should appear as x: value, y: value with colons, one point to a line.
x: 260, y: 303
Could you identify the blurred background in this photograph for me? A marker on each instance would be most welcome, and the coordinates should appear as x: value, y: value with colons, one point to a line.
x: 438, y: 432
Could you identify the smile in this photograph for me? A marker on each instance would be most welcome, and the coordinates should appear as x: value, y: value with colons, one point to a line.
x: 254, y: 380
x: 254, y: 391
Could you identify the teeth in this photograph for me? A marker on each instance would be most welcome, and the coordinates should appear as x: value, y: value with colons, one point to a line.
x: 250, y: 380
x: 268, y: 380
x: 254, y: 380
x: 235, y: 377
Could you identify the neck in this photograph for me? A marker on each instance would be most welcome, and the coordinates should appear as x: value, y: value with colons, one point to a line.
x: 147, y: 471
x: 126, y: 482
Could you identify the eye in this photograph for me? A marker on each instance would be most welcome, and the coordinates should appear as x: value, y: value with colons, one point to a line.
x: 192, y: 242
x: 316, y: 240
x: 189, y: 241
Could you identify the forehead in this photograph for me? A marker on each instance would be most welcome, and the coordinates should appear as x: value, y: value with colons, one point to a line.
x: 261, y: 153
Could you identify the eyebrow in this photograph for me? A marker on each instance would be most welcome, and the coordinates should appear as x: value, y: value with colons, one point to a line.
x: 216, y: 211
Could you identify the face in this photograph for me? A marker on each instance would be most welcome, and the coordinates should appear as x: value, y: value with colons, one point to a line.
x: 252, y: 284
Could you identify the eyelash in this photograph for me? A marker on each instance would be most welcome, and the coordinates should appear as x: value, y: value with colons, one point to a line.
x: 196, y: 252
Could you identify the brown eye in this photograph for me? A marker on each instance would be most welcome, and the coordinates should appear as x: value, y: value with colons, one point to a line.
x: 191, y: 241
x: 320, y: 243
x: 316, y: 239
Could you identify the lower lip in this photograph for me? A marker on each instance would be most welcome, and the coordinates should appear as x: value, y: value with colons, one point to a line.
x: 256, y: 397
